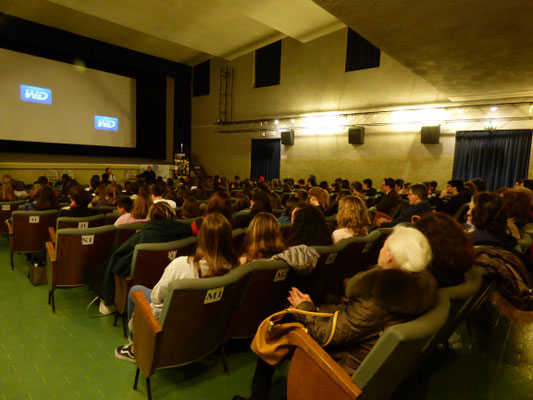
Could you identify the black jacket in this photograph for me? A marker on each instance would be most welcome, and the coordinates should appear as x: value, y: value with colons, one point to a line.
x: 421, y: 208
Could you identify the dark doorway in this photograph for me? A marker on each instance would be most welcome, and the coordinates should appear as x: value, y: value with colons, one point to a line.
x: 265, y: 158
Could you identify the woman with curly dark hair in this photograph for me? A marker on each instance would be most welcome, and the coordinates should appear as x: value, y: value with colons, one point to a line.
x: 309, y: 227
x: 453, y: 253
x: 488, y: 217
x: 517, y: 206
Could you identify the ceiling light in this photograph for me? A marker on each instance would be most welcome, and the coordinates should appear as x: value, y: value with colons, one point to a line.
x: 493, y: 108
x: 276, y: 122
x: 292, y: 121
x: 460, y: 110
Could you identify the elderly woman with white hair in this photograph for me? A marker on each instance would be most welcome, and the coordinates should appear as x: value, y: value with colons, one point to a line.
x: 397, y: 290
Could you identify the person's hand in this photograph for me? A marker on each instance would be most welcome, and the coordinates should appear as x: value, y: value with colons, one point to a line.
x: 296, y: 297
x: 444, y: 193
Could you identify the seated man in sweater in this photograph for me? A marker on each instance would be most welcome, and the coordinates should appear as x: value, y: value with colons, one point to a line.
x: 391, y: 199
x: 452, y: 198
x: 419, y: 206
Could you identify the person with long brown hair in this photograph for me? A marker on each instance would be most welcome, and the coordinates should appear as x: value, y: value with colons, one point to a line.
x: 215, y: 256
x: 220, y: 202
x: 319, y: 198
x: 352, y: 219
x: 7, y: 192
x: 263, y: 238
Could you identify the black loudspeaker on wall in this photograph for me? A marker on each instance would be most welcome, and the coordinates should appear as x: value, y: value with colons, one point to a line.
x: 430, y: 134
x: 287, y: 137
x: 356, y: 135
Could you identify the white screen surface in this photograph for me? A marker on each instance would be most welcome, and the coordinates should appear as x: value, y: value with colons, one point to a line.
x: 79, y: 98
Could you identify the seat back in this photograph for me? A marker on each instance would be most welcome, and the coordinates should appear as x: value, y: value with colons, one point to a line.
x: 396, y: 352
x: 316, y: 283
x: 331, y: 220
x: 110, y: 218
x: 373, y: 253
x: 351, y: 258
x: 30, y: 229
x: 79, y: 251
x: 196, y: 317
x: 150, y: 259
x: 285, y: 231
x: 265, y: 295
x: 107, y: 209
x: 125, y: 231
x: 80, y: 222
x: 6, y: 208
x: 460, y: 214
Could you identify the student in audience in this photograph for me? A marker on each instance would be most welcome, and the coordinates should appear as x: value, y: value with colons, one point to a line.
x: 99, y: 193
x: 260, y: 203
x: 517, y: 206
x: 301, y: 195
x: 161, y: 227
x: 490, y: 222
x: 453, y: 253
x: 215, y: 256
x: 220, y: 202
x: 79, y: 202
x: 368, y: 189
x: 139, y: 210
x: 357, y: 189
x: 44, y: 198
x: 263, y: 238
x: 319, y: 198
x: 308, y: 227
x: 396, y: 291
x: 352, y: 219
x: 454, y: 197
x: 190, y: 208
x: 124, y: 205
x: 112, y: 193
x: 289, y: 206
x: 7, y: 192
x: 93, y: 184
x: 419, y: 206
x: 391, y: 199
x: 157, y: 195
x: 242, y: 202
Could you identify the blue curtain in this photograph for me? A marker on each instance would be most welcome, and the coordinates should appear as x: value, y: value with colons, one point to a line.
x: 265, y: 158
x: 499, y: 157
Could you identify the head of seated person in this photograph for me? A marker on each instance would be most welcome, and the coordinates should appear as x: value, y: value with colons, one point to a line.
x: 45, y: 198
x: 260, y: 203
x: 190, y: 208
x: 124, y: 205
x: 263, y: 239
x: 220, y: 202
x: 406, y: 249
x: 161, y: 211
x: 487, y: 214
x: 79, y: 197
x: 215, y: 246
x: 309, y: 227
x: 517, y: 205
x: 453, y: 252
x: 319, y: 198
x: 353, y: 216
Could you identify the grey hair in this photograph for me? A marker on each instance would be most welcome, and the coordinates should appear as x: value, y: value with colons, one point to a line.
x: 409, y: 248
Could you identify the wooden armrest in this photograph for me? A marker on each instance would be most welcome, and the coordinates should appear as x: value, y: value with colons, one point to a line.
x: 51, y: 251
x: 128, y: 278
x: 146, y: 334
x: 9, y: 226
x: 313, y: 374
x: 52, y: 233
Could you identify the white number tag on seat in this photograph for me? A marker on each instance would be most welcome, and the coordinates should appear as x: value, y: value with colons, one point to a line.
x: 87, y: 240
x: 34, y: 219
x: 213, y: 295
x: 281, y: 274
x: 6, y: 207
x: 331, y: 258
x: 83, y: 225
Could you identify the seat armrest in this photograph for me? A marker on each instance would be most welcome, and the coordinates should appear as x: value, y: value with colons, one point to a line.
x: 52, y: 233
x: 9, y: 226
x: 146, y: 334
x: 51, y: 251
x: 314, y: 374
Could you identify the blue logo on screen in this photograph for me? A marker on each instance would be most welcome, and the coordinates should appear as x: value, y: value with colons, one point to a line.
x: 35, y: 94
x: 105, y: 123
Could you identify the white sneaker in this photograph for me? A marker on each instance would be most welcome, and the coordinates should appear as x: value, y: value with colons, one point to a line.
x: 106, y: 310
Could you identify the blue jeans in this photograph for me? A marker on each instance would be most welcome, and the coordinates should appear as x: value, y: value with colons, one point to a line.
x: 147, y: 292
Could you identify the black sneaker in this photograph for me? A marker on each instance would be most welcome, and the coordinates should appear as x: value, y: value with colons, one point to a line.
x: 125, y: 353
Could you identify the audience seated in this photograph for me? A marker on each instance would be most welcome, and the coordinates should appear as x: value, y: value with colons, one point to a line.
x: 319, y: 198
x: 214, y: 256
x: 368, y: 190
x: 139, y: 210
x: 7, y: 192
x: 263, y: 238
x: 260, y: 203
x: 43, y: 198
x: 396, y: 291
x: 352, y: 219
x: 452, y: 198
x: 419, y: 206
x: 161, y: 227
x: 309, y: 227
x: 517, y: 206
x: 290, y: 203
x: 391, y: 199
x: 79, y: 202
x: 453, y: 253
x: 190, y: 208
x: 112, y: 193
x: 220, y: 202
x: 157, y: 195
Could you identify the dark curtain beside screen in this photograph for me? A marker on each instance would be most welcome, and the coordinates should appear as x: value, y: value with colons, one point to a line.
x: 499, y: 157
x: 265, y: 158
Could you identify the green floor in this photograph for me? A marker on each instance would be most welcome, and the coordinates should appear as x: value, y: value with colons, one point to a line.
x: 69, y: 355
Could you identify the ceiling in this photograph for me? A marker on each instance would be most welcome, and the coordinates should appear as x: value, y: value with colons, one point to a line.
x: 470, y: 50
